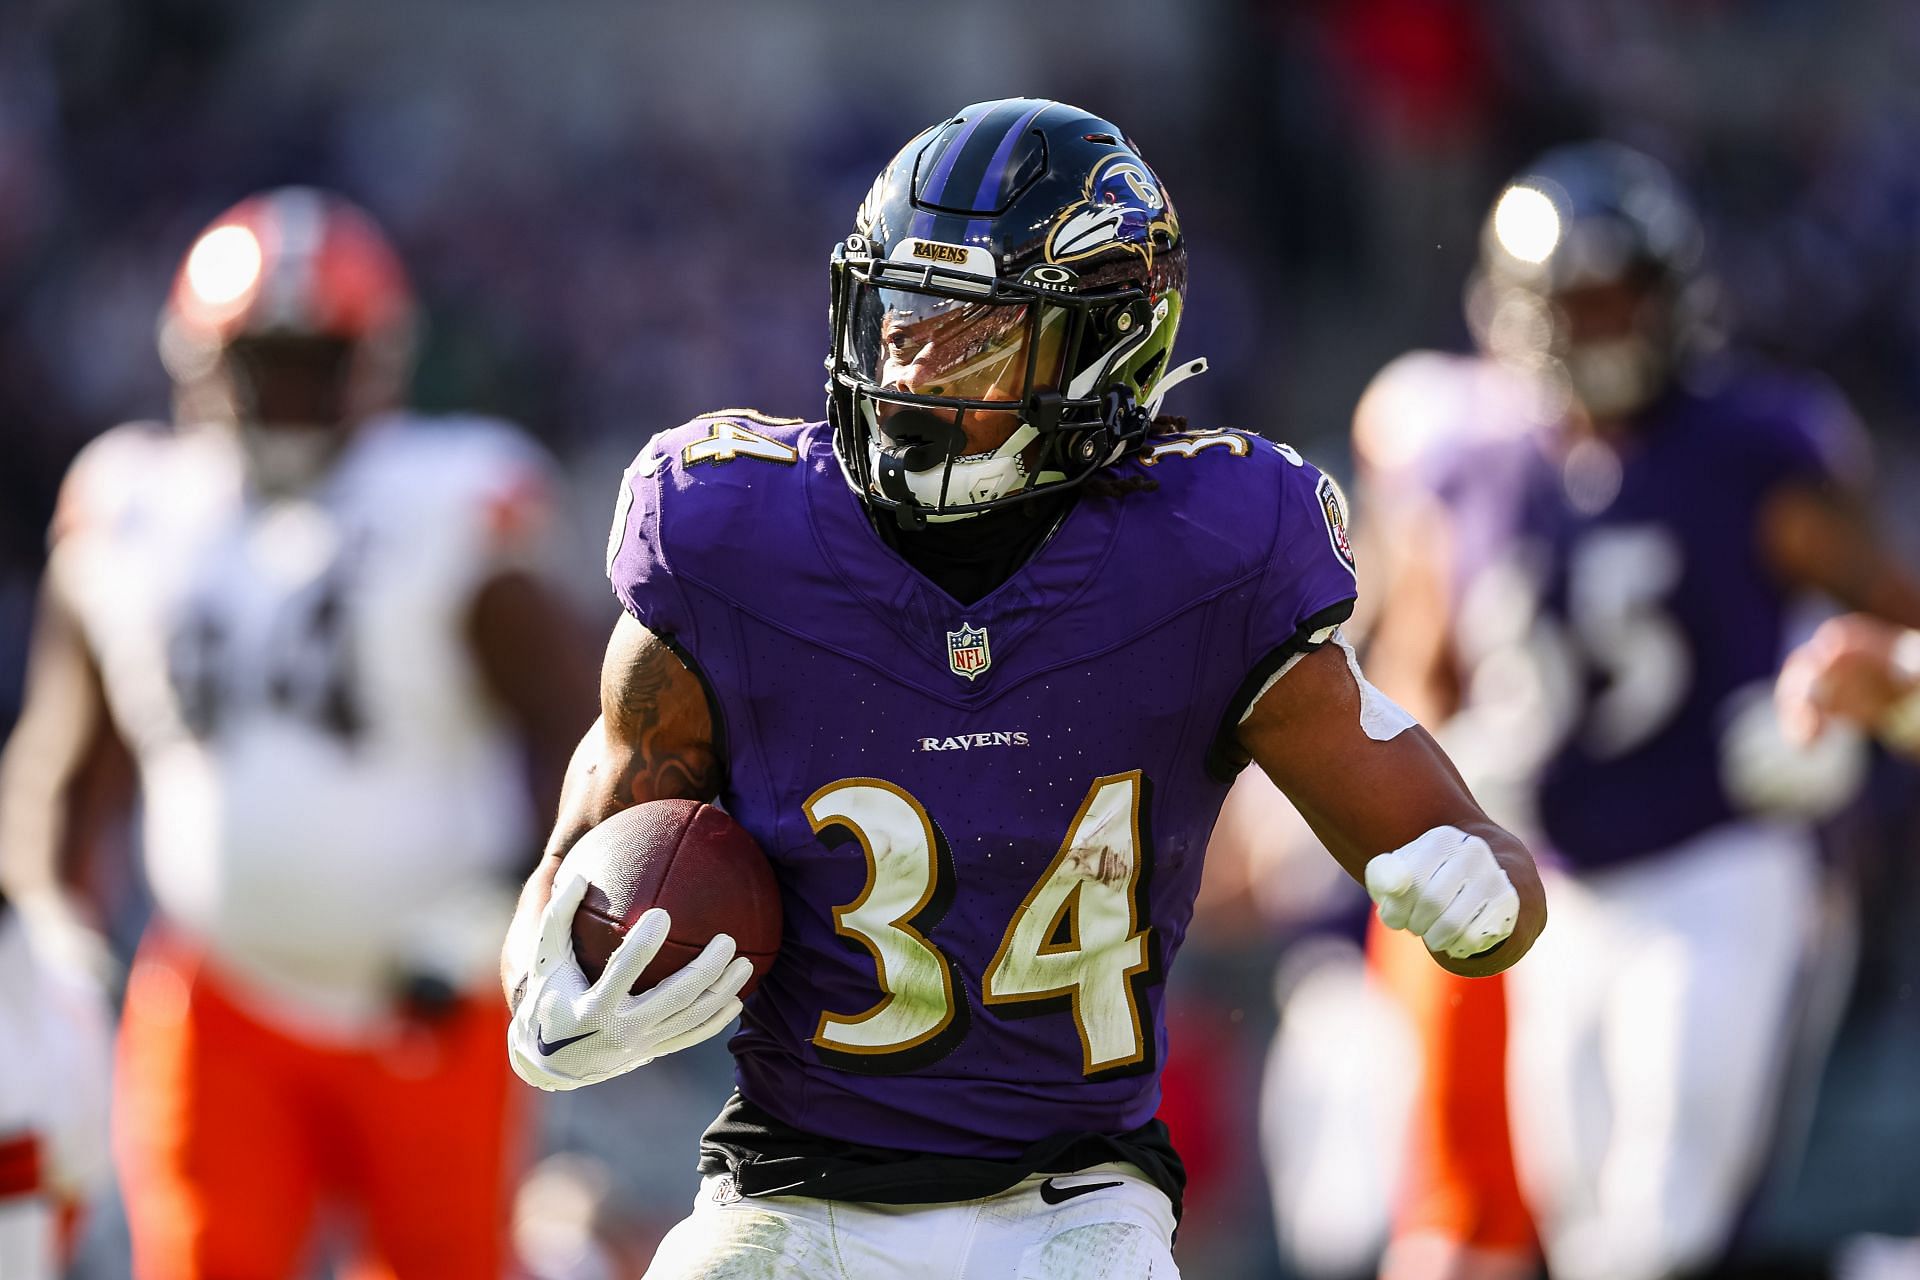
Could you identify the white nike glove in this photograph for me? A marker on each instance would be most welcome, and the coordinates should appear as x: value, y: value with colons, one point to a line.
x: 1447, y: 887
x: 1767, y: 773
x: 567, y: 1032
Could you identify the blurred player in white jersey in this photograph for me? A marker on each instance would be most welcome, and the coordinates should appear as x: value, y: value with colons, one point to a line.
x: 317, y: 623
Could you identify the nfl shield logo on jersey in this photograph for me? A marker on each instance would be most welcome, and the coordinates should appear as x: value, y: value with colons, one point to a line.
x: 967, y: 651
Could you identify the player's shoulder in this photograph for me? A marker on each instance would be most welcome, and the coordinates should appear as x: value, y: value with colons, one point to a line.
x: 447, y: 450
x: 716, y: 467
x: 1224, y: 460
x: 1746, y: 388
x: 696, y: 453
x: 119, y: 453
x: 1237, y: 489
x: 696, y: 491
x: 125, y: 466
x: 1757, y: 408
x: 436, y: 470
x: 1423, y: 404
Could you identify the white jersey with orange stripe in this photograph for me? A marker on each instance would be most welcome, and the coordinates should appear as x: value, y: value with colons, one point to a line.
x: 321, y: 764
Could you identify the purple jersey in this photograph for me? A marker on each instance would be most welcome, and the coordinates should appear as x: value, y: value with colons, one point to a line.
x: 1655, y: 611
x: 987, y: 820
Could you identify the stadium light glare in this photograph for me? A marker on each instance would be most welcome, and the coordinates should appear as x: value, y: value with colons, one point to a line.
x: 224, y: 265
x: 1526, y: 224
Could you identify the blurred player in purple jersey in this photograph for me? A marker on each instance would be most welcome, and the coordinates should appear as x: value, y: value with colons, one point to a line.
x: 975, y: 661
x: 1598, y: 606
x: 1378, y: 1110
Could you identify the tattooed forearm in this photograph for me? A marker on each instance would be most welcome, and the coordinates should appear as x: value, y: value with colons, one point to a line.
x: 656, y: 710
x: 654, y: 739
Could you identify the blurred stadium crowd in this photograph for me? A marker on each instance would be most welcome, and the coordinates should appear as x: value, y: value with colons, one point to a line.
x: 617, y: 215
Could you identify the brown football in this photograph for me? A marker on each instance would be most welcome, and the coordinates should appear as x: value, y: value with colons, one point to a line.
x: 693, y: 861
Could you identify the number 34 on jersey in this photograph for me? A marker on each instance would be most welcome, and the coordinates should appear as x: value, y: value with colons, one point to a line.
x: 1076, y: 942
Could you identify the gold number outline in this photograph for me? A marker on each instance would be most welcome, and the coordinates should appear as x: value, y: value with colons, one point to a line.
x: 1187, y: 444
x: 926, y: 914
x: 728, y: 430
x: 932, y: 907
x: 1135, y: 979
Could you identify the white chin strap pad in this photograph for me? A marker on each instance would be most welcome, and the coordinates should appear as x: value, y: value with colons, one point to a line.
x: 984, y: 477
x: 980, y: 477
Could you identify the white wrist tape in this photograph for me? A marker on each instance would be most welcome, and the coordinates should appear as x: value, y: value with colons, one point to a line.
x: 1381, y: 718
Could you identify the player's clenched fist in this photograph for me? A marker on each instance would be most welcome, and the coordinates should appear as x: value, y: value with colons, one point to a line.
x: 1447, y: 887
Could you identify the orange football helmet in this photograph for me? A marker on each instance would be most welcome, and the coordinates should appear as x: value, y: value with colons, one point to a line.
x: 291, y: 318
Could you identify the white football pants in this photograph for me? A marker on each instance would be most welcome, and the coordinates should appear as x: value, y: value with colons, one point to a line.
x: 1334, y: 1106
x: 1650, y: 1026
x: 1122, y: 1231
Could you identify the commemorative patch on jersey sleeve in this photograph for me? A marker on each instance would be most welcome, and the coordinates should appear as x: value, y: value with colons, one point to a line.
x: 1333, y: 509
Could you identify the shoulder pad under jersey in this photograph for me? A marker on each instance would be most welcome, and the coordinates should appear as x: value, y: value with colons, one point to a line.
x: 698, y: 500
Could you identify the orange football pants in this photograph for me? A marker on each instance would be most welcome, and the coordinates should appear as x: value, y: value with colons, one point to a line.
x: 1460, y: 1182
x: 230, y: 1136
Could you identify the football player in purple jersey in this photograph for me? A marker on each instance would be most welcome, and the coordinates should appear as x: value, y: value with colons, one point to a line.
x: 975, y: 661
x: 1598, y: 614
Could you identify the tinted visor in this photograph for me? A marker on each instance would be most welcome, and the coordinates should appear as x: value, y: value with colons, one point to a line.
x: 926, y: 345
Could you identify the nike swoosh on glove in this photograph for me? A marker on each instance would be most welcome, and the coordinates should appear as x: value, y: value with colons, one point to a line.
x: 567, y: 1032
x: 1447, y: 887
